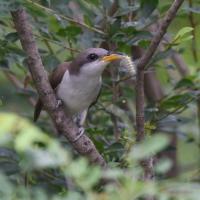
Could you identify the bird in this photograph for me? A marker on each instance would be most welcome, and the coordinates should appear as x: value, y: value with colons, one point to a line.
x: 77, y: 83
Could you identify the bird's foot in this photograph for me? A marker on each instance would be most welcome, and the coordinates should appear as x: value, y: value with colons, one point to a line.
x: 58, y: 103
x: 81, y: 131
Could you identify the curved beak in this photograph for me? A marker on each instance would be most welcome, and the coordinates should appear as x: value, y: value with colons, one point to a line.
x: 111, y: 57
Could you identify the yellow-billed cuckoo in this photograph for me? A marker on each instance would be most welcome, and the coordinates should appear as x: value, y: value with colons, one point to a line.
x: 78, y: 83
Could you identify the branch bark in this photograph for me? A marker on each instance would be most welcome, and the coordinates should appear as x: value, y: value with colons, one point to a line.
x: 65, y: 126
x: 160, y: 33
x: 140, y: 121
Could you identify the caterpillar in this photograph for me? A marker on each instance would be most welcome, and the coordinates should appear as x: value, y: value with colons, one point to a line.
x: 127, y: 62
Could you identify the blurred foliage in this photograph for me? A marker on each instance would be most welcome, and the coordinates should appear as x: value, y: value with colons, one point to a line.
x: 35, y: 164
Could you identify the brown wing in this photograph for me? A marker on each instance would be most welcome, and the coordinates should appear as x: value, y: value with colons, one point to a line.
x: 54, y: 79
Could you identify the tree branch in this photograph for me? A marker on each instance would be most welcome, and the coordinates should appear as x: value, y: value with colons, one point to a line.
x: 65, y: 126
x: 140, y: 100
x: 160, y: 33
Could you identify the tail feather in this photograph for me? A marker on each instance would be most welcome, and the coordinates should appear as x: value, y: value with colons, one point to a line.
x: 38, y: 109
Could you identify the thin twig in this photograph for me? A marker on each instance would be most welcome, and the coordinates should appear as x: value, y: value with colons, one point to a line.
x: 64, y: 125
x: 48, y: 10
x: 198, y: 117
x: 57, y: 43
x: 46, y: 42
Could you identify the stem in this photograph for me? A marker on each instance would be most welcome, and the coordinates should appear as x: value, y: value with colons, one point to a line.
x: 140, y: 105
x: 48, y: 46
x: 70, y: 46
x: 198, y: 119
x: 193, y: 25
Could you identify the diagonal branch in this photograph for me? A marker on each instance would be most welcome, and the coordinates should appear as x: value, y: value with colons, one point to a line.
x: 65, y: 126
x: 82, y: 24
x: 160, y: 33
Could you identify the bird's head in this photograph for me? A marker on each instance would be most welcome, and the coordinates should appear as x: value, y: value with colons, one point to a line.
x: 92, y: 61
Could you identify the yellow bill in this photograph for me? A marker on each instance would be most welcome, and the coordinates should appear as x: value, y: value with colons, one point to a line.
x: 111, y: 57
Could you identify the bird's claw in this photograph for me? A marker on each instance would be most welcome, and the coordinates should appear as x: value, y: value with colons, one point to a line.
x: 58, y: 103
x: 81, y: 131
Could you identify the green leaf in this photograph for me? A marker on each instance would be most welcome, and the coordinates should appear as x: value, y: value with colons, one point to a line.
x: 37, y: 148
x: 161, y: 55
x: 81, y: 171
x: 183, y: 31
x: 8, y: 161
x: 115, y: 151
x: 182, y: 36
x: 149, y: 147
x: 163, y: 165
x: 70, y: 31
x: 46, y: 3
x: 87, y: 20
x: 35, y: 10
x: 94, y: 2
x: 147, y: 7
x: 126, y: 10
x: 4, y: 63
x: 140, y: 36
x: 7, y: 6
x: 50, y: 61
x: 177, y: 101
x: 185, y: 82
x: 12, y: 37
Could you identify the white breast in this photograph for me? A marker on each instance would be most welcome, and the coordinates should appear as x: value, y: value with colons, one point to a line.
x: 78, y: 91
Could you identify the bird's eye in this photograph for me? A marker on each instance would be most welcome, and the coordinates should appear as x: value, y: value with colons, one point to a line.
x: 92, y: 56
